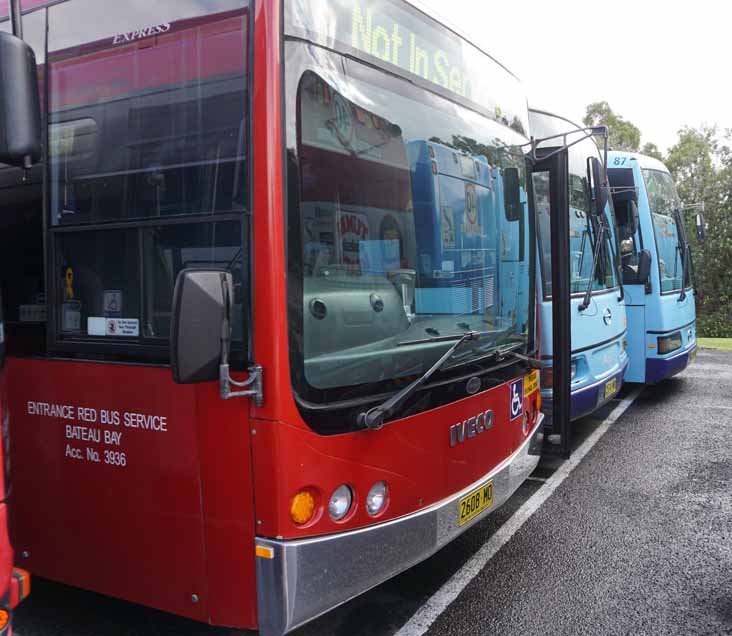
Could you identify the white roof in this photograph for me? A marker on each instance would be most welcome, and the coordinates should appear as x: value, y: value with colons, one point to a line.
x: 646, y: 162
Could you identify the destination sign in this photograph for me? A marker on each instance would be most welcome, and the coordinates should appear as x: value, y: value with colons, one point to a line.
x: 400, y: 36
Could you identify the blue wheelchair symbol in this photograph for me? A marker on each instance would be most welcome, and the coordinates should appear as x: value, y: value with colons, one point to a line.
x: 517, y: 398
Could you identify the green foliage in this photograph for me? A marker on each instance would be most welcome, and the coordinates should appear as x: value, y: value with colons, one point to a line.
x: 652, y: 150
x: 624, y: 135
x: 702, y: 169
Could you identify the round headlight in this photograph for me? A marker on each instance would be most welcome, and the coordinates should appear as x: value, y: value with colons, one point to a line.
x: 340, y: 502
x: 376, y: 499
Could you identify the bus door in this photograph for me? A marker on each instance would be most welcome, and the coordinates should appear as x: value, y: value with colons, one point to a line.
x: 147, y: 175
x: 550, y: 194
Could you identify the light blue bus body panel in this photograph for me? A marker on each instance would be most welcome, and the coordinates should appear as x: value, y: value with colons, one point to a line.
x: 598, y: 350
x: 636, y: 340
x: 651, y: 312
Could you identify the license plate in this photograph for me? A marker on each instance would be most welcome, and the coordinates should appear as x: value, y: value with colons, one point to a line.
x: 470, y: 506
x: 611, y: 388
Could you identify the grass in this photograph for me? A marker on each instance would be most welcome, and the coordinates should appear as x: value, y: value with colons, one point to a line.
x: 716, y: 343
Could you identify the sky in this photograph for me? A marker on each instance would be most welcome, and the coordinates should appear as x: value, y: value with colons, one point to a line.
x: 661, y: 65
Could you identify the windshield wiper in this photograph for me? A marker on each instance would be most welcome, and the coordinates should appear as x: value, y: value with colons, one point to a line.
x: 374, y: 417
x: 598, y: 250
x: 683, y: 248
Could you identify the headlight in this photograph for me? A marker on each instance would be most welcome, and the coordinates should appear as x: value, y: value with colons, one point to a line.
x: 574, y: 370
x: 667, y: 344
x: 376, y: 499
x: 340, y: 502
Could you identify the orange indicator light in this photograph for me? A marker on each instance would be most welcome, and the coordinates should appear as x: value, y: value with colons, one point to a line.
x: 302, y: 507
x: 4, y: 619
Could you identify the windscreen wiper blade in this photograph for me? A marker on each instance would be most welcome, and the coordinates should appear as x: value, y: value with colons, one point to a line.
x: 374, y: 418
x: 683, y: 248
x: 595, y: 262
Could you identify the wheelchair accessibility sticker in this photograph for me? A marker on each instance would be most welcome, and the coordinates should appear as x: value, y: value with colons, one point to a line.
x: 517, y: 398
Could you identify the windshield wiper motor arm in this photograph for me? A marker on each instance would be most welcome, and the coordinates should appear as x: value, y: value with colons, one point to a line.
x: 375, y: 417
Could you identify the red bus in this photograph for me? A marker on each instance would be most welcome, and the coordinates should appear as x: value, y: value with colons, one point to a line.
x: 243, y: 362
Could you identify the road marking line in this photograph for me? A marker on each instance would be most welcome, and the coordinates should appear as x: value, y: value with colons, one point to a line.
x: 426, y: 615
x: 539, y: 479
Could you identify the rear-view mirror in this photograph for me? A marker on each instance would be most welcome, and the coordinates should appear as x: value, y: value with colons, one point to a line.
x: 20, y: 110
x: 599, y: 185
x: 200, y: 314
x: 512, y: 194
x: 644, y: 266
x: 701, y: 227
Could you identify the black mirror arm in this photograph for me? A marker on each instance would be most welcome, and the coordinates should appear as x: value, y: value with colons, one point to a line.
x: 225, y: 380
x: 588, y: 132
x: 684, y: 252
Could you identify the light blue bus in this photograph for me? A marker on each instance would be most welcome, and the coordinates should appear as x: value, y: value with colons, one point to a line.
x: 656, y: 267
x: 598, y: 318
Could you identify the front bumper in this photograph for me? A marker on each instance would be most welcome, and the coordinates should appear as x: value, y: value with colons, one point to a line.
x: 588, y: 398
x: 658, y: 369
x: 306, y: 578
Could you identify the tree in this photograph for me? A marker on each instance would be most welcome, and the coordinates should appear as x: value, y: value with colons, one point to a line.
x: 702, y: 170
x: 650, y: 149
x: 624, y: 135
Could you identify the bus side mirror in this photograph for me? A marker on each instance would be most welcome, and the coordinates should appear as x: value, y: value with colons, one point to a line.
x: 644, y: 266
x: 512, y: 194
x: 201, y: 311
x: 599, y: 184
x: 701, y: 228
x: 20, y: 109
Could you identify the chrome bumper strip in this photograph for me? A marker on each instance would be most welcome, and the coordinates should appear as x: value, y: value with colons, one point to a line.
x: 308, y: 577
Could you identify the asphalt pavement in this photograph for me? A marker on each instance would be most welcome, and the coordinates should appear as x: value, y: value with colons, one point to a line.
x: 635, y: 540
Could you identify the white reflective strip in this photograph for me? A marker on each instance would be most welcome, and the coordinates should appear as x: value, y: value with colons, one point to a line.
x: 423, y: 619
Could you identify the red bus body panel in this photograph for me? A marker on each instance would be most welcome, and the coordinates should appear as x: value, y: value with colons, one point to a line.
x: 173, y: 522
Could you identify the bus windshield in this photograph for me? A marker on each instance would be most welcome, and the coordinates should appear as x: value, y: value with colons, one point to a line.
x: 411, y: 224
x: 664, y: 204
x: 583, y: 231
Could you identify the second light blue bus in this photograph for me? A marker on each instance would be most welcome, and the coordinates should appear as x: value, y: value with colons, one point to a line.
x: 598, y: 327
x: 657, y: 267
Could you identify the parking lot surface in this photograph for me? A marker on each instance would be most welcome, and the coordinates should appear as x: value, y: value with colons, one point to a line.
x: 636, y: 539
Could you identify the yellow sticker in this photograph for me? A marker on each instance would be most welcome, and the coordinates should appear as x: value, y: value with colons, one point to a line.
x: 531, y: 383
x: 69, y: 283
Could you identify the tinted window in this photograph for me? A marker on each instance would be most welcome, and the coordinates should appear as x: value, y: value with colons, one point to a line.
x: 148, y: 147
x: 583, y: 228
x: 146, y: 122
